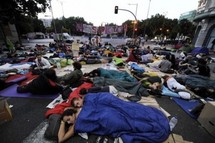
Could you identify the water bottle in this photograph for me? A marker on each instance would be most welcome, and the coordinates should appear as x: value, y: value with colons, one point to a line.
x: 172, y: 123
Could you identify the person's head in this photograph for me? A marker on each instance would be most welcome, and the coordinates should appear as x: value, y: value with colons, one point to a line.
x: 39, y: 56
x: 77, y: 65
x: 167, y: 57
x: 155, y: 86
x: 68, y: 116
x: 83, y: 91
x: 77, y: 102
x: 165, y: 77
x: 94, y: 73
x: 51, y: 74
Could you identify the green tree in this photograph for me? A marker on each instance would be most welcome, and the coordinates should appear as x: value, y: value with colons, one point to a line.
x: 12, y: 11
x: 186, y: 28
x: 68, y: 24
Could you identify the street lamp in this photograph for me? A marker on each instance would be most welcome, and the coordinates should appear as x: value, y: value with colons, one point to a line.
x: 61, y: 3
x: 135, y: 22
x: 147, y: 16
x: 52, y: 17
x: 136, y: 4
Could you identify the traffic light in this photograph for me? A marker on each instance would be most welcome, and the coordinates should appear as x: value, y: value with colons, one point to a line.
x: 116, y: 9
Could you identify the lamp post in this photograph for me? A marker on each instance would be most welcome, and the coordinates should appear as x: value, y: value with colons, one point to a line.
x: 116, y: 12
x: 136, y: 4
x: 61, y: 3
x: 52, y: 17
x: 147, y: 16
x: 62, y: 8
x: 135, y: 22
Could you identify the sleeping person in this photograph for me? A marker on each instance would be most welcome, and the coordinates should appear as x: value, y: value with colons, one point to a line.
x: 44, y: 84
x: 105, y: 114
x: 175, y: 86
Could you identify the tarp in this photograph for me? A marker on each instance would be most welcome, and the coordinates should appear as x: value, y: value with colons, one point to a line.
x: 105, y: 114
x: 198, y: 50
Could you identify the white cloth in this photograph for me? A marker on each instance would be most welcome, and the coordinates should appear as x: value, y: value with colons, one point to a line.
x: 173, y: 85
x: 184, y: 95
x: 45, y: 63
x: 113, y: 90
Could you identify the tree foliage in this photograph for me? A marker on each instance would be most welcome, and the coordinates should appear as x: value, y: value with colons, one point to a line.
x: 160, y: 26
x: 10, y: 9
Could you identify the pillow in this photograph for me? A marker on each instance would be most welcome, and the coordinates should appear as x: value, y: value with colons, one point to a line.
x: 53, y: 127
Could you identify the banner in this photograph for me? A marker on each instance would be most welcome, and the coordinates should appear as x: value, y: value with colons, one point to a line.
x: 90, y: 29
x: 79, y: 27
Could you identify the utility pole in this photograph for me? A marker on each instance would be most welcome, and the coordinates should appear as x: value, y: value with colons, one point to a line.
x: 135, y: 22
x: 147, y: 16
x: 52, y: 17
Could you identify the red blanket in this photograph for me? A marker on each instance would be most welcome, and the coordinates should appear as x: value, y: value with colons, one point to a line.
x: 58, y: 109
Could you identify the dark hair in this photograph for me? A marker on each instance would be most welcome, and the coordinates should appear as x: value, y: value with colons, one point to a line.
x: 77, y: 65
x: 73, y: 100
x: 94, y: 73
x: 68, y: 112
x: 51, y: 74
x: 83, y: 91
x: 165, y: 77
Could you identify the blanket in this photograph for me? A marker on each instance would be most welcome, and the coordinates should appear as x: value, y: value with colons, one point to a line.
x: 134, y: 88
x: 105, y: 114
x: 114, y: 74
x: 59, y: 108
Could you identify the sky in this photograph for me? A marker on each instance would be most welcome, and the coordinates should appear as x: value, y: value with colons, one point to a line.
x: 100, y: 12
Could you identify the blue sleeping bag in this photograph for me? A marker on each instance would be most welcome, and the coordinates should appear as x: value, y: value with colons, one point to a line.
x: 105, y: 114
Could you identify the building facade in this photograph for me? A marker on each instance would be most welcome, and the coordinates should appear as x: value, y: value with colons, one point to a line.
x: 188, y: 15
x: 205, y: 19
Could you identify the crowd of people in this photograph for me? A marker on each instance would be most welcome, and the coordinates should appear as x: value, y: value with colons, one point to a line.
x: 105, y: 84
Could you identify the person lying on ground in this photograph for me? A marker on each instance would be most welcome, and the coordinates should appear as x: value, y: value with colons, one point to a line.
x: 110, y: 74
x: 201, y: 85
x: 67, y: 124
x: 201, y: 69
x: 183, y: 65
x: 104, y: 114
x: 175, y: 86
x: 111, y: 89
x: 165, y: 65
x: 151, y: 81
x: 44, y: 84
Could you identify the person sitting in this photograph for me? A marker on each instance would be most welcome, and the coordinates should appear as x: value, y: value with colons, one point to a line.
x: 44, y: 84
x: 41, y: 62
x: 133, y: 55
x: 74, y: 78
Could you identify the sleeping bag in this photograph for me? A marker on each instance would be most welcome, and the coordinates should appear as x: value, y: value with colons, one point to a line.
x: 105, y: 114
